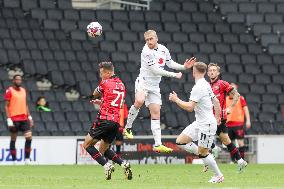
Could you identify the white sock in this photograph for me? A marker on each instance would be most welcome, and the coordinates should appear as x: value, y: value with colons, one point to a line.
x: 189, y: 147
x: 240, y: 161
x: 132, y: 114
x: 156, y: 130
x: 210, y: 161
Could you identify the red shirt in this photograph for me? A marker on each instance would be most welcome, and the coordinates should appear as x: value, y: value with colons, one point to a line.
x: 113, y: 94
x: 221, y: 89
x: 7, y: 97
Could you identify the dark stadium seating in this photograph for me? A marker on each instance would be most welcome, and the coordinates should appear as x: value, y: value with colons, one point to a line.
x: 47, y: 39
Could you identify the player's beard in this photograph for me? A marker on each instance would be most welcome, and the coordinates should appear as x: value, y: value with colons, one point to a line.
x: 17, y: 85
x: 214, y: 79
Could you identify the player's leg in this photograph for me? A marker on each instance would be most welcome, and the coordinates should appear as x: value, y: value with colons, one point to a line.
x: 13, y: 138
x: 107, y: 139
x: 205, y: 139
x: 233, y: 150
x: 231, y: 134
x: 118, y: 144
x: 209, y: 160
x: 24, y: 127
x: 240, y: 134
x: 140, y: 96
x: 88, y: 144
x: 184, y: 140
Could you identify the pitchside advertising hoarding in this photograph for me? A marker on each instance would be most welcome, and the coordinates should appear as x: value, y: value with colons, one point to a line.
x: 140, y: 151
x: 69, y: 150
x: 45, y: 150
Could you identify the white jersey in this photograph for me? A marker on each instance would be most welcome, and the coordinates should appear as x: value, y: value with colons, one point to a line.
x: 149, y: 57
x: 202, y: 94
x: 153, y: 63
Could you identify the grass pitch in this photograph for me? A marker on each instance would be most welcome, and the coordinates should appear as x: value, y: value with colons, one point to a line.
x: 145, y: 176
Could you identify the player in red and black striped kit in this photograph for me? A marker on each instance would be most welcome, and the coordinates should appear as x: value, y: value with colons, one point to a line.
x: 221, y: 89
x: 110, y: 94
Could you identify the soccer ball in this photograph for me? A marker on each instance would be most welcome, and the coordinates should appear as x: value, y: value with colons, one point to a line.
x: 94, y: 29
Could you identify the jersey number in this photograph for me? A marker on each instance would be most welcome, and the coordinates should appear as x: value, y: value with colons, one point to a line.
x: 117, y: 102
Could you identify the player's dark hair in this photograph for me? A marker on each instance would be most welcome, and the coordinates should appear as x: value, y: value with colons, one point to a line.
x: 200, y: 67
x: 106, y: 66
x: 14, y: 77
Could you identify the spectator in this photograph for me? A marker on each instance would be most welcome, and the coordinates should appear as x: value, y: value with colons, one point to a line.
x: 42, y: 105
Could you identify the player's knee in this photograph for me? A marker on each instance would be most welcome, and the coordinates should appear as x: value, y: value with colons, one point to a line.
x: 28, y: 135
x: 203, y: 151
x: 138, y: 102
x: 225, y: 139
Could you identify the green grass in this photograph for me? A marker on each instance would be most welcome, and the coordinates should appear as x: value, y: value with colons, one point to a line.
x: 145, y: 176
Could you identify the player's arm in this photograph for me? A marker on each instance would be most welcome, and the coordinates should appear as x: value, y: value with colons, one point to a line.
x: 95, y: 97
x: 155, y: 68
x: 30, y: 117
x: 236, y: 97
x: 247, y: 116
x: 217, y: 109
x: 188, y: 106
x: 7, y: 98
x: 176, y: 66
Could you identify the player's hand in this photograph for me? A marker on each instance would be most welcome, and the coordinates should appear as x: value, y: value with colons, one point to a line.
x: 248, y: 124
x: 189, y: 63
x: 10, y: 123
x: 229, y: 111
x: 173, y: 97
x: 178, y: 75
x: 31, y: 122
x: 96, y: 101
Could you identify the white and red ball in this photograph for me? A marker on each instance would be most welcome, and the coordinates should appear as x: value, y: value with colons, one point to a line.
x: 94, y: 29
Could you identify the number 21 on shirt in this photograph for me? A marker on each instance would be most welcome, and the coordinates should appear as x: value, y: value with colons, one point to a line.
x: 119, y: 91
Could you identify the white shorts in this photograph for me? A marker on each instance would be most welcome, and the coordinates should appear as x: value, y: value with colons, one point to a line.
x: 203, y: 133
x: 151, y: 90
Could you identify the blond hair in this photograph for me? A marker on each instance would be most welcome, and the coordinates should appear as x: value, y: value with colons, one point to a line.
x: 214, y: 64
x: 148, y: 32
x: 200, y: 67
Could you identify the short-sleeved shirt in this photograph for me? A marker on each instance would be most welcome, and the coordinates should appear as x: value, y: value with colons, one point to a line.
x: 221, y: 88
x: 202, y: 94
x: 150, y: 57
x: 112, y: 95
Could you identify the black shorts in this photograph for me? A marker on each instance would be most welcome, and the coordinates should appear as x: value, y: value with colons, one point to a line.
x: 104, y: 129
x: 20, y: 126
x: 236, y: 132
x: 119, y: 136
x: 222, y: 128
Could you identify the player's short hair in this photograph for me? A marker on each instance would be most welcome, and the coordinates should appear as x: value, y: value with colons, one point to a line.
x: 150, y: 32
x: 17, y: 75
x: 200, y: 67
x: 106, y: 66
x: 216, y: 65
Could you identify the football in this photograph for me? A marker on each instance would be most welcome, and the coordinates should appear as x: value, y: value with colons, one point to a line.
x: 94, y: 29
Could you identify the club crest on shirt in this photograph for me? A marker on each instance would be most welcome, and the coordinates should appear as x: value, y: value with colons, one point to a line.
x: 161, y: 61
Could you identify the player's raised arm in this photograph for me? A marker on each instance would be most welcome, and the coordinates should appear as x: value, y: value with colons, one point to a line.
x: 188, y: 106
x: 155, y: 68
x: 176, y: 66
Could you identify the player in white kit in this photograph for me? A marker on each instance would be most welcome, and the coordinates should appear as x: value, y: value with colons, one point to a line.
x: 201, y: 101
x: 154, y: 57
